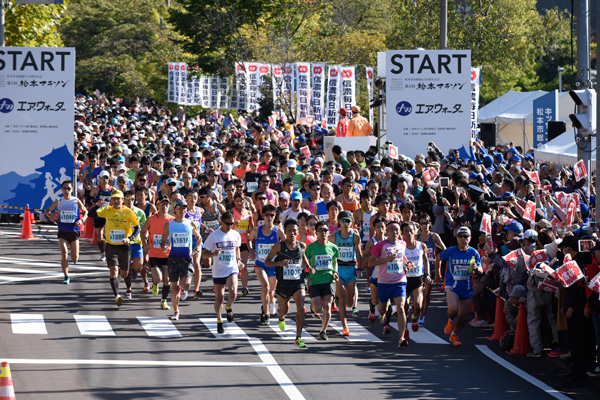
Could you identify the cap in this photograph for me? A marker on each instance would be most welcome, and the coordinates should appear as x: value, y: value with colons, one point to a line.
x: 162, y: 197
x: 345, y: 216
x: 544, y: 224
x: 104, y: 174
x: 180, y: 203
x: 518, y: 291
x: 387, y: 170
x: 227, y: 169
x: 319, y: 159
x: 116, y: 193
x: 570, y: 242
x: 355, y: 109
x: 530, y: 234
x: 292, y: 164
x: 376, y: 163
x: 343, y: 111
x: 515, y: 158
x: 515, y: 227
x: 296, y: 196
x: 315, y: 168
x: 463, y: 230
x: 284, y: 195
x: 171, y: 181
x: 121, y: 167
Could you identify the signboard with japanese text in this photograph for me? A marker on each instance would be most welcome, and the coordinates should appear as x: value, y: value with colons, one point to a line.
x: 475, y: 83
x: 214, y: 92
x: 303, y: 91
x: 428, y: 99
x: 37, y: 88
x: 288, y: 86
x: 253, y: 91
x: 348, y: 87
x: 242, y: 86
x: 318, y: 91
x: 370, y: 91
x: 277, y: 82
x: 545, y: 108
x: 223, y: 89
x: 333, y: 92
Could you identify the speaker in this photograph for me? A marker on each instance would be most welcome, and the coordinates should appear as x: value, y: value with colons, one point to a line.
x: 488, y: 132
x: 556, y: 128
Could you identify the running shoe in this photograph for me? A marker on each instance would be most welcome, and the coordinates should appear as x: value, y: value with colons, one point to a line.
x: 154, y: 289
x: 183, y: 295
x: 119, y: 300
x: 245, y: 292
x: 346, y: 332
x: 394, y: 309
x: 229, y: 314
x: 595, y: 373
x: 382, y: 318
x: 315, y: 314
x: 175, y: 316
x: 406, y: 334
x: 556, y: 352
x: 267, y: 319
x: 422, y: 321
x: 368, y: 289
x: 198, y: 294
x: 281, y: 325
x: 414, y: 323
x: 263, y: 316
x: 146, y: 288
x: 402, y: 344
x: 387, y: 330
x: 449, y: 326
x: 127, y: 295
x: 323, y: 335
x: 300, y: 343
x: 102, y: 257
x: 164, y: 305
x: 480, y: 324
x: 535, y: 354
x: 355, y: 312
x: 272, y: 308
x: 334, y: 307
x: 220, y: 328
x: 372, y: 317
x: 455, y: 341
x: 67, y: 280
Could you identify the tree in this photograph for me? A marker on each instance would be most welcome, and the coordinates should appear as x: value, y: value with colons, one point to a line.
x: 33, y: 25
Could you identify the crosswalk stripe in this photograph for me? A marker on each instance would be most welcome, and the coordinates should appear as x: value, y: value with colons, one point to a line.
x: 94, y: 325
x: 28, y: 324
x: 357, y: 332
x: 290, y: 330
x: 232, y: 331
x: 159, y: 327
x: 423, y: 336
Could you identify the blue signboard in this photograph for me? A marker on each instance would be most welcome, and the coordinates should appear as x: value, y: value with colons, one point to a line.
x: 545, y: 108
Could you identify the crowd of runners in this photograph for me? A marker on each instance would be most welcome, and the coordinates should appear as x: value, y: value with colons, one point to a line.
x: 171, y: 195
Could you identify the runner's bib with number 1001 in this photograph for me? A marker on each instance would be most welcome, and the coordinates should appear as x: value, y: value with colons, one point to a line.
x: 181, y: 239
x: 67, y: 216
x: 227, y: 257
x: 117, y: 235
x: 292, y: 272
x: 323, y: 262
x: 395, y: 267
x: 262, y: 251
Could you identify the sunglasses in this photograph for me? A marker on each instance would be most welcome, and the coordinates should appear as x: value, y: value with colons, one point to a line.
x: 322, y: 230
x: 261, y: 198
x: 462, y: 236
x: 240, y: 187
x: 173, y: 173
x: 143, y: 180
x: 164, y: 203
x: 424, y: 223
x: 269, y: 215
x: 227, y: 223
x: 230, y: 190
x: 203, y: 197
x: 273, y: 176
x: 312, y: 224
x: 67, y: 188
x: 214, y: 176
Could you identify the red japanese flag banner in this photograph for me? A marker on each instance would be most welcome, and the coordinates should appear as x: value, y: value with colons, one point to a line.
x: 486, y: 224
x: 529, y: 211
x: 486, y: 264
x: 305, y: 150
x: 275, y: 115
x: 430, y: 175
x: 548, y: 285
x: 547, y: 269
x: 512, y: 258
x: 575, y: 198
x: 490, y: 243
x: 594, y: 283
x: 284, y: 118
x: 579, y: 170
x: 309, y: 120
x: 556, y: 223
x: 538, y: 256
x: 571, y: 210
x: 270, y: 121
x: 393, y: 152
x: 533, y: 177
x: 324, y: 124
x: 563, y: 200
x: 569, y: 273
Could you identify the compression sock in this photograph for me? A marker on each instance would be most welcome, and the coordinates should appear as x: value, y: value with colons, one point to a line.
x: 165, y: 292
x: 114, y: 283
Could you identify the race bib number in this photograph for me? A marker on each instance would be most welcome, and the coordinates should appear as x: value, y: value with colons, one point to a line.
x: 261, y: 223
x: 461, y: 272
x: 251, y: 186
x: 117, y: 235
x: 296, y: 186
x: 430, y: 255
x: 366, y: 227
x: 242, y: 225
x: 181, y: 239
x: 417, y: 269
x: 262, y: 251
x: 323, y: 262
x: 324, y: 217
x: 346, y: 253
x: 156, y: 239
x: 67, y: 216
x: 394, y: 267
x: 227, y: 257
x: 214, y: 225
x: 106, y: 199
x: 292, y: 272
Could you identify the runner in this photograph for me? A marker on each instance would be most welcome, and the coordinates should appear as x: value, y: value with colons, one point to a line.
x: 152, y: 235
x: 363, y: 215
x: 195, y: 214
x: 416, y: 252
x: 321, y: 207
x: 348, y: 198
x: 179, y: 233
x: 260, y: 242
x: 322, y: 257
x: 211, y: 218
x: 379, y: 226
x: 243, y: 224
x: 288, y: 258
x: 137, y: 253
x: 459, y: 283
x: 223, y: 245
x: 101, y: 192
x: 72, y: 214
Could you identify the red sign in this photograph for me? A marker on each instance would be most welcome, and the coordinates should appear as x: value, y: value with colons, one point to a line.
x: 176, y: 67
x: 538, y: 256
x: 486, y: 224
x: 288, y: 70
x: 579, y: 170
x: 571, y: 210
x: 317, y: 70
x: 170, y: 66
x: 556, y: 223
x: 305, y: 150
x: 277, y: 71
x: 275, y: 115
x: 429, y: 175
x: 370, y: 74
x: 270, y: 120
x: 240, y: 67
x: 512, y: 258
x: 252, y: 68
x: 594, y: 284
x: 393, y: 152
x: 302, y: 69
x: 184, y: 67
x: 473, y: 75
x: 533, y: 177
x: 333, y: 72
x: 569, y: 273
x: 324, y: 124
x: 310, y: 119
x: 264, y: 69
x: 346, y: 73
x: 548, y: 285
x: 529, y: 212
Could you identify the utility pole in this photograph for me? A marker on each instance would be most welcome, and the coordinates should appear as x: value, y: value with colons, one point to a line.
x: 582, y: 80
x: 596, y: 127
x: 443, y: 24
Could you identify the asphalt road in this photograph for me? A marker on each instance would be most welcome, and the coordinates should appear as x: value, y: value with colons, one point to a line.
x: 72, y: 342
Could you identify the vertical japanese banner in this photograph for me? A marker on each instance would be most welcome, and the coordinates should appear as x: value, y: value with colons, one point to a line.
x: 318, y: 91
x: 242, y: 86
x: 545, y: 108
x: 197, y: 90
x: 253, y: 92
x: 233, y: 101
x: 370, y: 91
x: 475, y: 84
x: 214, y: 92
x: 303, y: 98
x: 172, y: 97
x: 333, y: 92
x: 428, y: 99
x: 288, y: 87
x: 37, y: 88
x: 277, y: 83
x: 264, y: 72
x: 205, y: 91
x: 348, y: 92
x: 223, y: 90
x: 183, y: 74
x: 189, y: 88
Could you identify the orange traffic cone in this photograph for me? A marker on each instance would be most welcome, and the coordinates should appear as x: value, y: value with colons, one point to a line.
x: 94, y: 240
x: 521, y: 346
x: 88, y: 229
x: 26, y: 232
x: 7, y: 391
x: 500, y: 325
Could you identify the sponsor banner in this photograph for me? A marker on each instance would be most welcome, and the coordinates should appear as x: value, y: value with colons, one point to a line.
x: 348, y: 87
x: 475, y: 84
x: 428, y: 99
x: 277, y: 82
x: 172, y: 88
x: 223, y: 90
x: 545, y: 108
x: 37, y: 88
x: 318, y: 91
x: 233, y: 101
x: 288, y: 87
x: 253, y: 92
x: 183, y: 75
x: 242, y: 86
x: 264, y: 73
x: 371, y: 91
x: 303, y: 91
x: 204, y: 91
x: 333, y: 93
x: 214, y: 91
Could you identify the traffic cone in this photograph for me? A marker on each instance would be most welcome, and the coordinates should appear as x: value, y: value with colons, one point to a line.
x: 500, y: 325
x: 521, y: 346
x: 7, y: 391
x: 26, y: 232
x: 88, y: 229
x: 94, y: 240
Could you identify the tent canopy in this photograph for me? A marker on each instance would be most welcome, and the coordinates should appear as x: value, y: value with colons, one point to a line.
x: 563, y: 150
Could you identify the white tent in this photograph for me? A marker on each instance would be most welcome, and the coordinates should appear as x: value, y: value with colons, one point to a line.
x: 562, y: 150
x: 513, y: 112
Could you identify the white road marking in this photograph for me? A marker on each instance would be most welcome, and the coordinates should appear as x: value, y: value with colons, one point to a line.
x: 13, y: 279
x: 40, y: 263
x: 159, y: 327
x: 178, y: 363
x: 357, y: 332
x: 94, y: 325
x: 30, y: 324
x: 290, y: 330
x: 423, y: 336
x: 232, y: 331
x: 519, y: 372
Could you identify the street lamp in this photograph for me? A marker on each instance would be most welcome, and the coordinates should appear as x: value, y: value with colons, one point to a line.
x: 560, y: 71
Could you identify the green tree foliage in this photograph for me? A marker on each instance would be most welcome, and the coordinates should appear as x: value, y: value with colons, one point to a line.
x: 121, y: 48
x: 33, y: 25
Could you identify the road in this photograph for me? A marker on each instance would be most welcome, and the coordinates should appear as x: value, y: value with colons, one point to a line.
x: 72, y: 342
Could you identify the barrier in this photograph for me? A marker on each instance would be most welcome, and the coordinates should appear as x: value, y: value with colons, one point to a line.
x: 521, y: 346
x: 500, y: 325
